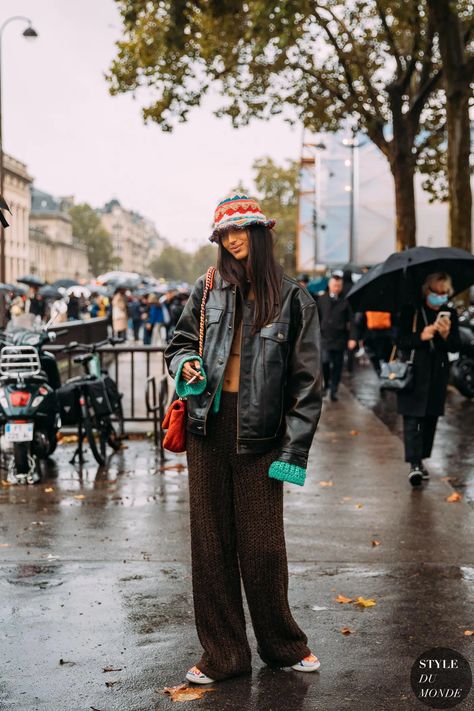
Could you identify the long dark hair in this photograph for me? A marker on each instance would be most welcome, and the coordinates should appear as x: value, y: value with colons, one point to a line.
x: 263, y: 273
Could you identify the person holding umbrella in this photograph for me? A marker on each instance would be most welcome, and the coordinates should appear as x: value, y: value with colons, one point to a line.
x: 430, y: 330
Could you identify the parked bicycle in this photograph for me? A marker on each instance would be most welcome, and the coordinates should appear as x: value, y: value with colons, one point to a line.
x: 91, y: 401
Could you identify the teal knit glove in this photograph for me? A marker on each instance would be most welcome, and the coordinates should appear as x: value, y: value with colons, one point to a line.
x: 287, y: 472
x: 183, y: 389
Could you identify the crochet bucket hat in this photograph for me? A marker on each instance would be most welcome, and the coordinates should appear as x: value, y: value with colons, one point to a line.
x: 237, y: 211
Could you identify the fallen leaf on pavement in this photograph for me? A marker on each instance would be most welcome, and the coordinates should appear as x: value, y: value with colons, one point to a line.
x: 346, y: 630
x: 179, y: 467
x: 182, y: 692
x: 5, y: 483
x: 353, y: 433
x: 111, y: 669
x: 452, y: 498
x: 80, y: 496
x: 5, y: 545
x: 445, y: 478
x: 364, y: 602
x: 49, y: 490
x: 326, y: 483
x: 68, y: 439
x: 375, y: 543
x: 343, y: 598
x: 347, y: 498
x: 468, y: 633
x: 358, y: 506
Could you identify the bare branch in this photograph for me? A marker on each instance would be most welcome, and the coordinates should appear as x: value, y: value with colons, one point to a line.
x: 390, y: 37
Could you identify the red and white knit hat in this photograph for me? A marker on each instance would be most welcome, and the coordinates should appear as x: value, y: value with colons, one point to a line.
x: 237, y: 211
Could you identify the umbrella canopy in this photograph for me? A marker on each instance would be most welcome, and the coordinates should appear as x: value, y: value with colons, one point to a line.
x: 100, y: 290
x: 64, y: 283
x: 31, y: 280
x: 398, y: 280
x: 50, y: 292
x: 7, y: 287
x: 79, y: 291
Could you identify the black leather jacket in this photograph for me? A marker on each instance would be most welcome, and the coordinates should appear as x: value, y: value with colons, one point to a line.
x: 279, y: 400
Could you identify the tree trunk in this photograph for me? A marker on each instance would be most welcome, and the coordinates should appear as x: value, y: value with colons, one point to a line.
x: 456, y: 74
x: 459, y: 178
x: 404, y: 176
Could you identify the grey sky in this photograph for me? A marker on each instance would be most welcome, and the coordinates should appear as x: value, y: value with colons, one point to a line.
x: 77, y: 140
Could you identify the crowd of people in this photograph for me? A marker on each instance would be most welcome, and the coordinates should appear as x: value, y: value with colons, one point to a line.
x: 149, y: 318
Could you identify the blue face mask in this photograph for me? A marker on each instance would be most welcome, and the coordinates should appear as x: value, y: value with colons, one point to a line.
x: 437, y: 299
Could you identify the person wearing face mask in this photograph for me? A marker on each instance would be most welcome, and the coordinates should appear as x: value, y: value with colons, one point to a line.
x: 430, y: 330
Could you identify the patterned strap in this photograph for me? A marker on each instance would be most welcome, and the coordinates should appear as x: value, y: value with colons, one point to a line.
x: 207, y: 286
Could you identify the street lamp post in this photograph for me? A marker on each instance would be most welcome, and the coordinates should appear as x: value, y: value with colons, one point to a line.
x: 352, y: 143
x: 29, y: 33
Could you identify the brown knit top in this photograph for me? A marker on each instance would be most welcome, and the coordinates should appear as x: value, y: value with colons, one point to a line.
x: 231, y: 373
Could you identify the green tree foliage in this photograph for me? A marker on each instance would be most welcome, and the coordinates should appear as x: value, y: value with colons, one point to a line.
x: 374, y: 62
x: 177, y: 265
x: 277, y: 189
x: 88, y: 229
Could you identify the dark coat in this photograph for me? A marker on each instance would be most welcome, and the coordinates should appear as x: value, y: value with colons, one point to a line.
x: 431, y: 363
x: 279, y: 401
x: 337, y: 322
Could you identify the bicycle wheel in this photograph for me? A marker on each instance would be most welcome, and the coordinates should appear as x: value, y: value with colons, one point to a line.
x: 118, y: 415
x: 113, y: 438
x: 96, y: 436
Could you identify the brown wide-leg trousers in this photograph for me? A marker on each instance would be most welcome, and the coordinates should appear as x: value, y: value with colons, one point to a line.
x: 237, y: 518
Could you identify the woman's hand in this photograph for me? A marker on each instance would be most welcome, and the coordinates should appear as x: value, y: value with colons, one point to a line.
x: 191, y: 371
x: 443, y: 327
x: 428, y: 333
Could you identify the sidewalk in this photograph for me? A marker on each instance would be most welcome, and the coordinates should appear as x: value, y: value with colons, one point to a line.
x: 104, y: 581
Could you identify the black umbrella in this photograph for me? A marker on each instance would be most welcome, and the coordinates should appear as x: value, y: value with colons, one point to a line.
x: 50, y: 292
x: 398, y: 280
x: 31, y: 280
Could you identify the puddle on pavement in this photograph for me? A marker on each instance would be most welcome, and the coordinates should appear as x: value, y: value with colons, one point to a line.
x: 34, y: 575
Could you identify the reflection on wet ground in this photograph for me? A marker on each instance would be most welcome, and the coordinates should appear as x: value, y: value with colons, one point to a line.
x: 96, y: 605
x: 453, y: 452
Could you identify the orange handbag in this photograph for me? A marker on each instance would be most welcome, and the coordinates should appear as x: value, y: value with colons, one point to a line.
x: 175, y: 418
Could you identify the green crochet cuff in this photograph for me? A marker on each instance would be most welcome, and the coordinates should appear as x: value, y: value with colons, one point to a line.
x: 182, y: 387
x: 287, y: 472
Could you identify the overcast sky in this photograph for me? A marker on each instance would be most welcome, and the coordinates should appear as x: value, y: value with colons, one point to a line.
x: 77, y: 140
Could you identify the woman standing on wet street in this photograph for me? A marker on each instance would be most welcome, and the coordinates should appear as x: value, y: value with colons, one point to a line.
x: 253, y: 405
x: 430, y: 330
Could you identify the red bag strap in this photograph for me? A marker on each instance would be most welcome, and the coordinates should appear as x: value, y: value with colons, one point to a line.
x: 207, y: 286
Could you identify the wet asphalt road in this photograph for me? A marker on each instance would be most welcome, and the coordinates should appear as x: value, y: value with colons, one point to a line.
x: 453, y: 451
x: 95, y: 574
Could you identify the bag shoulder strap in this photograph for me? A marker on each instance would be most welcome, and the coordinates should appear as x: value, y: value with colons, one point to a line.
x: 393, y: 354
x: 207, y: 287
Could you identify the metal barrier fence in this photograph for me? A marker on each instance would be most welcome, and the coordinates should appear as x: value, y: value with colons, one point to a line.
x: 136, y: 369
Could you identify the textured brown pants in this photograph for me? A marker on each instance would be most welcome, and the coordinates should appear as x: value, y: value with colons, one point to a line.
x: 237, y: 518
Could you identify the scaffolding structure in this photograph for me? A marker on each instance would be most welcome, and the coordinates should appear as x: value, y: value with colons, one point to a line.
x: 306, y: 232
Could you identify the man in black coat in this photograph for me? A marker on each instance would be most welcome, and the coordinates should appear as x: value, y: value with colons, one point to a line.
x: 337, y: 332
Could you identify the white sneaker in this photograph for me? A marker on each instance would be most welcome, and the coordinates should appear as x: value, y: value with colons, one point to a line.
x: 198, y: 677
x: 308, y: 664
